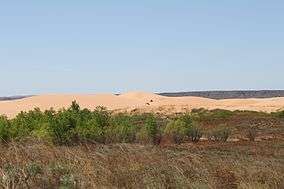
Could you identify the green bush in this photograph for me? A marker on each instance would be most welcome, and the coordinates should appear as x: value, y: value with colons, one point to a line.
x: 91, y: 130
x: 43, y: 132
x: 279, y: 114
x: 121, y: 129
x: 207, y: 115
x: 102, y: 116
x: 187, y: 119
x: 220, y: 134
x: 194, y: 133
x: 63, y: 127
x: 221, y: 114
x: 149, y: 132
x: 151, y: 128
x: 4, y: 129
x: 181, y: 128
x: 26, y: 122
x: 142, y: 136
x: 177, y: 130
x: 93, y: 126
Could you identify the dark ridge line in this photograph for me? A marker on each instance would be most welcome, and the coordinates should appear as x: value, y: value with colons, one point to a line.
x: 9, y: 98
x: 241, y: 94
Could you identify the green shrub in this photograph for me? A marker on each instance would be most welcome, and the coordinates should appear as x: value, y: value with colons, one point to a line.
x: 142, y: 136
x: 149, y: 133
x: 4, y: 129
x: 102, y: 116
x: 221, y: 114
x: 43, y: 132
x: 220, y: 134
x: 194, y: 133
x: 91, y: 130
x: 279, y: 114
x: 147, y: 125
x: 151, y: 129
x: 181, y: 128
x: 63, y: 127
x: 207, y: 115
x: 177, y: 130
x: 93, y: 126
x: 187, y: 119
x: 26, y: 122
x: 121, y: 129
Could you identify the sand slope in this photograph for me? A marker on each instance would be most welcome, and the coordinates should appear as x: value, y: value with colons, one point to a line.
x: 138, y: 101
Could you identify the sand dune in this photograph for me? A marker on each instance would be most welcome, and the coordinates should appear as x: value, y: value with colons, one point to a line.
x: 139, y: 101
x: 142, y: 96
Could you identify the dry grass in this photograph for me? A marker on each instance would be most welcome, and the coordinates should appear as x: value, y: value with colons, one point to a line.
x: 35, y: 164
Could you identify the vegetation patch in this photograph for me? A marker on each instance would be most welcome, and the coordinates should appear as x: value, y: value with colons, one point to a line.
x: 81, y: 148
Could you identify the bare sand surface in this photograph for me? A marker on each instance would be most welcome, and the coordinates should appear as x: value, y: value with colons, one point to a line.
x: 138, y: 101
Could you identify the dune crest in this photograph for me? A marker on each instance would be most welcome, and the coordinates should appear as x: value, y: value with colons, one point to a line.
x: 141, y: 95
x: 142, y: 101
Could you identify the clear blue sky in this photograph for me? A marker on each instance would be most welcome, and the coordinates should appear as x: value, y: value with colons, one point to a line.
x: 153, y: 45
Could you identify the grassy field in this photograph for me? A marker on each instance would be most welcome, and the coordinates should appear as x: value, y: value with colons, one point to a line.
x: 77, y: 148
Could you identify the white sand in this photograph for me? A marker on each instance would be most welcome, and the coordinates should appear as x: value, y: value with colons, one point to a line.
x: 138, y: 101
